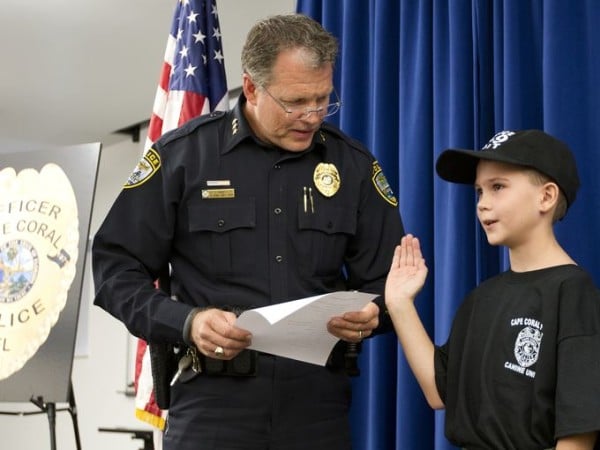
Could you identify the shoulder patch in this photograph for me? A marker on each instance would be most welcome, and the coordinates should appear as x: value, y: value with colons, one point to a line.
x: 148, y: 166
x: 382, y: 186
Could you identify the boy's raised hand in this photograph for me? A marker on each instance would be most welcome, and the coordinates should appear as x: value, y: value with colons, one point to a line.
x: 405, y: 279
x: 407, y: 273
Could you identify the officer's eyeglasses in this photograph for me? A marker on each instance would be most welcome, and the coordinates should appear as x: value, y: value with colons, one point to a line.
x: 304, y: 112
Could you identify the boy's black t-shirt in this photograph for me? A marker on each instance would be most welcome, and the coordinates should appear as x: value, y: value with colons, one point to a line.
x: 522, y: 364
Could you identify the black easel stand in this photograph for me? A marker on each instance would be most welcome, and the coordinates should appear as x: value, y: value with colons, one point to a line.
x: 50, y: 409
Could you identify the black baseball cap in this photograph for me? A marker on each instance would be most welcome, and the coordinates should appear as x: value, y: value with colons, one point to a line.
x: 528, y: 148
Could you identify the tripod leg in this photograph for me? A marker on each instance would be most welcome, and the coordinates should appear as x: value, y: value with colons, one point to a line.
x: 73, y: 413
x: 51, y: 412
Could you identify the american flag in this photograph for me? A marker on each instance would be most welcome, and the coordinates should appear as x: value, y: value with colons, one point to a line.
x: 192, y: 82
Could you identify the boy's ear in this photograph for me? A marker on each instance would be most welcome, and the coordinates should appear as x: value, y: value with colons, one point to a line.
x: 549, y: 196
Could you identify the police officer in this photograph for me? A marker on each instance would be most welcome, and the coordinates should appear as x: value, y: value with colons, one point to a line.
x: 260, y: 205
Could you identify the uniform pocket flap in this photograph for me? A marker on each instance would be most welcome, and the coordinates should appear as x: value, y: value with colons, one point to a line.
x: 331, y: 220
x: 222, y: 215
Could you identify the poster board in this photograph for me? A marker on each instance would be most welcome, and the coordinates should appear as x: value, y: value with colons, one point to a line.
x: 46, y: 373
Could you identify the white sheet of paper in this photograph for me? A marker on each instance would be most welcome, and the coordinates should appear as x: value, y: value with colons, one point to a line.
x: 298, y: 329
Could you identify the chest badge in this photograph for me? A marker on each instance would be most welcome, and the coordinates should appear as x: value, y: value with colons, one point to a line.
x: 527, y: 346
x: 327, y: 179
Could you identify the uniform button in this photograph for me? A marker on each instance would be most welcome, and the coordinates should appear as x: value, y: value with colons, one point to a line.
x: 277, y: 210
x: 277, y: 166
x: 279, y: 258
x: 220, y: 223
x: 329, y: 225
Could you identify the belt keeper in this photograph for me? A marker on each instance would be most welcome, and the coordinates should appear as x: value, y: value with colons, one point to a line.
x: 245, y: 364
x: 351, y: 360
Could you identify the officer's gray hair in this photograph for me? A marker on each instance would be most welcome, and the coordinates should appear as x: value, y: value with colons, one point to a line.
x: 267, y: 38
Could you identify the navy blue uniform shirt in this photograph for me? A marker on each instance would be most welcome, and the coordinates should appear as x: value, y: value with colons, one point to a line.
x: 242, y: 223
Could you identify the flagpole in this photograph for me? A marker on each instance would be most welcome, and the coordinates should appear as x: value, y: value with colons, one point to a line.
x: 192, y: 82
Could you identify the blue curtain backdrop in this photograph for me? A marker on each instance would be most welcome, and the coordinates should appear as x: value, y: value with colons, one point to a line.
x: 419, y: 76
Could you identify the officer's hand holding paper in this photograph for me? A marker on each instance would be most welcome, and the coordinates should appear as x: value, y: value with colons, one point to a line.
x: 298, y: 329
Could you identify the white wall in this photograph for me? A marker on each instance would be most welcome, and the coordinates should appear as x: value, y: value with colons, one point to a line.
x: 102, y: 367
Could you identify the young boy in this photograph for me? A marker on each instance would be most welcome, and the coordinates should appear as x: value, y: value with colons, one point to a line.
x: 521, y: 367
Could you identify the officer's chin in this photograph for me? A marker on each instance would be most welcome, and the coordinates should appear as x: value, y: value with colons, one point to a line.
x: 298, y: 143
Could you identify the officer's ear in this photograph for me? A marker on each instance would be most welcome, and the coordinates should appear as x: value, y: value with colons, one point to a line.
x: 249, y: 89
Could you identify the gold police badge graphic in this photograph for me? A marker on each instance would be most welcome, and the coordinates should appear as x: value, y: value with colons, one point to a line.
x: 327, y: 179
x: 39, y: 237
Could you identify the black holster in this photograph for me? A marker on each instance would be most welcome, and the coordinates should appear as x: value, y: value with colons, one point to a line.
x: 163, y: 362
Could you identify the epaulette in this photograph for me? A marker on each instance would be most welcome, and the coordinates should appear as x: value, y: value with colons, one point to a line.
x: 190, y: 126
x: 328, y: 129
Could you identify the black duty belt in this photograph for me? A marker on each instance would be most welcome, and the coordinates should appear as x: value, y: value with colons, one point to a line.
x: 245, y: 364
x: 172, y: 364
